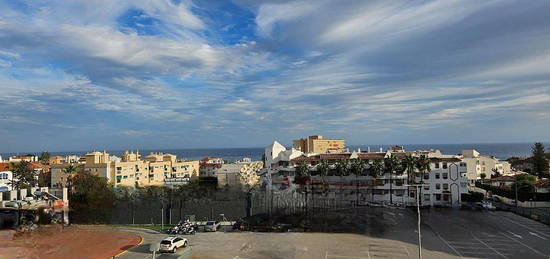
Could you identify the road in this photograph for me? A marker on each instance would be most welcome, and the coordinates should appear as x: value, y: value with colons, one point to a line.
x: 389, y: 233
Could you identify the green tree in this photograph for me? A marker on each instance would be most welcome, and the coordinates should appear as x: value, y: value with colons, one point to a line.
x: 357, y: 167
x: 24, y: 175
x: 376, y: 169
x: 540, y: 165
x: 69, y: 172
x: 44, y: 157
x: 391, y: 164
x: 92, y: 198
x: 423, y: 167
x: 409, y: 165
x: 302, y: 170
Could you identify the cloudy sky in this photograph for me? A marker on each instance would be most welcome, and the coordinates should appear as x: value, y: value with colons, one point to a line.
x: 94, y: 74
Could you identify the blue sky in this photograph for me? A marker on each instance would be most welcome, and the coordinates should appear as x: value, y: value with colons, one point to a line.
x: 101, y: 74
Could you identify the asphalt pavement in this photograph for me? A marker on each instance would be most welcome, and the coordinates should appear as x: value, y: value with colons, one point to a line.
x: 386, y: 233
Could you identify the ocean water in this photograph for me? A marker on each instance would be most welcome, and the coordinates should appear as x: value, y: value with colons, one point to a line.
x: 500, y: 150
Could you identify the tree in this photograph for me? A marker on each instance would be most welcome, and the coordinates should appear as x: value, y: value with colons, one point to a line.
x: 423, y: 166
x: 69, y: 172
x: 495, y: 173
x: 44, y: 157
x: 92, y: 198
x: 540, y: 165
x: 376, y: 169
x: 24, y: 175
x: 357, y: 166
x: 483, y: 176
x: 409, y: 165
x: 390, y: 167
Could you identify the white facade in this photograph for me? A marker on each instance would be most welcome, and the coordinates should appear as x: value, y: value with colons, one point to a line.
x: 276, y: 153
x: 5, y: 179
x: 478, y: 164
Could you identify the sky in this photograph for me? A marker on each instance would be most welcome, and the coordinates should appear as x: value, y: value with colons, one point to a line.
x: 102, y: 74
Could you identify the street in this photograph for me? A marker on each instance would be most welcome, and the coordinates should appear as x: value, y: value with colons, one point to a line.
x: 447, y: 233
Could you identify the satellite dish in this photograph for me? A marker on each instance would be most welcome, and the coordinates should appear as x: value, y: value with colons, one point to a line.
x: 154, y: 247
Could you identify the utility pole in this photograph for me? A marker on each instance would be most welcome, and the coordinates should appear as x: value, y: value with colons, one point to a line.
x: 418, y: 186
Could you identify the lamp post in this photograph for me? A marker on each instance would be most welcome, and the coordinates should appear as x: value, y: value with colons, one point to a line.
x: 418, y: 186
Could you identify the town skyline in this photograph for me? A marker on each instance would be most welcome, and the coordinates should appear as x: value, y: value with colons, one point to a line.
x: 173, y: 74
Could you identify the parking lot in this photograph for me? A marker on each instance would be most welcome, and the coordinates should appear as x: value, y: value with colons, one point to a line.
x: 447, y: 233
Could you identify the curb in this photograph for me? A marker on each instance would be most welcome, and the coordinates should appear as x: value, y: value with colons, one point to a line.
x: 123, y: 252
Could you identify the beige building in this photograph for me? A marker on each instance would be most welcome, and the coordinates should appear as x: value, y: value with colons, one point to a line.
x: 239, y: 174
x: 316, y: 144
x: 131, y: 170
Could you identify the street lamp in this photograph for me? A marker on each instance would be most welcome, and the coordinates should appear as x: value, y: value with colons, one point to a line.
x: 418, y: 186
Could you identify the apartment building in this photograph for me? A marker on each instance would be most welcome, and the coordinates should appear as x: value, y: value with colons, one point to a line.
x: 239, y: 174
x: 317, y: 144
x: 478, y: 164
x: 444, y: 184
x: 131, y: 170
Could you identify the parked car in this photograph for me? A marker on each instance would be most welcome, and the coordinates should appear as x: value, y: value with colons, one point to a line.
x: 171, y: 244
x: 211, y: 226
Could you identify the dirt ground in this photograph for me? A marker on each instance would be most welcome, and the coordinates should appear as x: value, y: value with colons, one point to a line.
x: 69, y: 242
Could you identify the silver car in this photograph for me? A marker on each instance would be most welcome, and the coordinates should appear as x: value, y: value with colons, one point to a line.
x: 211, y: 226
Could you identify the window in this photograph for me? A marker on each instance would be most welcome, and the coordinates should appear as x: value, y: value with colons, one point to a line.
x: 426, y: 197
x: 427, y: 176
x: 445, y: 175
x: 436, y: 165
x: 411, y: 194
x: 445, y: 186
x: 437, y: 186
x: 438, y: 197
x: 427, y: 188
x: 463, y: 185
x: 436, y: 175
x: 444, y: 165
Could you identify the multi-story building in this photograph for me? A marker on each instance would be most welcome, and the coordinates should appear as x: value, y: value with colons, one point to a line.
x: 478, y: 164
x: 131, y: 170
x: 56, y: 160
x: 443, y: 184
x: 316, y: 144
x: 239, y: 174
x: 6, y: 175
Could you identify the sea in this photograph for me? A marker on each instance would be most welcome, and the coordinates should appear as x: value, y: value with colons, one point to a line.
x: 499, y: 150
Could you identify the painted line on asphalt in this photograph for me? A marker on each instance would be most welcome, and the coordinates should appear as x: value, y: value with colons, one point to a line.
x: 521, y: 243
x: 489, y: 246
x: 449, y: 245
x: 527, y: 227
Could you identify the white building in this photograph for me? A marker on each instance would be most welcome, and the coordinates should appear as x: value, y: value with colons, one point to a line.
x: 444, y: 183
x: 478, y: 164
x: 5, y: 177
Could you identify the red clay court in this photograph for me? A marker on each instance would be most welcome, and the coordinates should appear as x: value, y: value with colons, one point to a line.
x: 69, y: 242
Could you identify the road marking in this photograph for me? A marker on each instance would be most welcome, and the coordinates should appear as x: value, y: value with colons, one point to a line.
x: 535, y: 234
x: 525, y: 226
x: 521, y: 243
x: 489, y: 246
x: 514, y: 234
x: 449, y: 245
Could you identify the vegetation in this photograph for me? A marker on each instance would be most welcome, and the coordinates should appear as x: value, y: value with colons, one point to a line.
x: 44, y: 157
x: 483, y: 176
x: 24, y: 175
x: 540, y: 165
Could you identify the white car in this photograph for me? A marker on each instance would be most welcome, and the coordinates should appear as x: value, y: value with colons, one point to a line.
x: 211, y: 226
x: 171, y: 244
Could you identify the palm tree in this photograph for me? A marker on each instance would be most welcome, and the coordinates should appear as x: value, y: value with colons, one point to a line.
x: 342, y: 170
x: 69, y: 171
x: 376, y: 169
x: 302, y: 171
x: 423, y: 166
x: 357, y: 166
x: 390, y: 167
x: 409, y: 165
